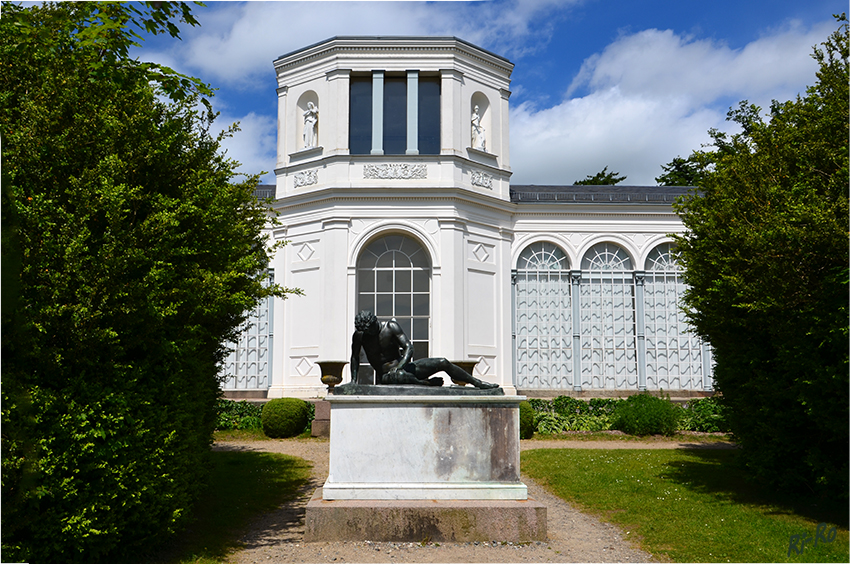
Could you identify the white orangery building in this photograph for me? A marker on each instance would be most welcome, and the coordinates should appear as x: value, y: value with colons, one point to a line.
x: 393, y: 189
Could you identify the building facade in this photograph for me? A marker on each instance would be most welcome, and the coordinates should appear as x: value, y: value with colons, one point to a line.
x: 393, y: 190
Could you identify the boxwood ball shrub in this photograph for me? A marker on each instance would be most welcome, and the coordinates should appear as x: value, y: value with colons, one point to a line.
x: 285, y: 417
x: 643, y: 414
x: 526, y: 420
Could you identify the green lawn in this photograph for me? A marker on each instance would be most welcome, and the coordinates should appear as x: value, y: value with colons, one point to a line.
x: 243, y: 486
x: 691, y: 505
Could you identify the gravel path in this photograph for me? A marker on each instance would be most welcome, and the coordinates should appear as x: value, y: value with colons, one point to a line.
x: 573, y: 536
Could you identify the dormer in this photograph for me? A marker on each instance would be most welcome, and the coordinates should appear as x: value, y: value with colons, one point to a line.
x: 393, y: 111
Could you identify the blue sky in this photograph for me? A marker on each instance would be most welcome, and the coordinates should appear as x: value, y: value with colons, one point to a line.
x: 628, y: 84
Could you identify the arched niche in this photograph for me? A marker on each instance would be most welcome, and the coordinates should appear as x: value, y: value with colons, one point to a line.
x: 307, y: 120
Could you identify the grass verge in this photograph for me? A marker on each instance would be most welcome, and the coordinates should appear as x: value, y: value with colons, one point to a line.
x: 243, y: 485
x: 691, y: 505
x: 680, y: 437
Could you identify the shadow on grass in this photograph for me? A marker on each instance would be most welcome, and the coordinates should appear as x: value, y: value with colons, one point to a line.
x: 719, y: 473
x: 244, y: 485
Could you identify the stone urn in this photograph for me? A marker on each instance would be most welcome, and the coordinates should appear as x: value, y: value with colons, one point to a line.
x: 467, y: 366
x: 331, y: 372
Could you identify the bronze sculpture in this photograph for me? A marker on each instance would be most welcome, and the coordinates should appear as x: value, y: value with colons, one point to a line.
x: 390, y: 353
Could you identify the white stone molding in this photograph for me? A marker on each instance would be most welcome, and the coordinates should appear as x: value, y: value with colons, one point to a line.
x: 395, y: 171
x: 306, y: 178
x: 482, y: 179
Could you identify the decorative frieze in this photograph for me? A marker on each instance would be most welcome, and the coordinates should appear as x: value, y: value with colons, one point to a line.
x: 481, y: 179
x: 306, y: 178
x: 395, y: 171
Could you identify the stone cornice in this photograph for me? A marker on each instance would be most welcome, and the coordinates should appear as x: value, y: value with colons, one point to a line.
x: 383, y: 46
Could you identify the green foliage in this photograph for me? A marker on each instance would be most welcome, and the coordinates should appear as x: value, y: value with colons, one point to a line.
x: 526, y: 420
x: 237, y: 415
x: 570, y: 414
x: 644, y: 414
x: 601, y: 178
x: 681, y: 172
x: 136, y: 257
x: 707, y: 415
x: 765, y: 259
x: 285, y: 417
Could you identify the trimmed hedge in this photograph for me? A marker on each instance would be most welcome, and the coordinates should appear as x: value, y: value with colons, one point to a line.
x: 285, y: 417
x: 643, y: 414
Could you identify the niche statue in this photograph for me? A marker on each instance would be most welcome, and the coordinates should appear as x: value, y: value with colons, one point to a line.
x: 390, y: 353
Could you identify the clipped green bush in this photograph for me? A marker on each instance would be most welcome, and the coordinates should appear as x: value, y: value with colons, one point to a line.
x: 285, y: 417
x: 240, y: 415
x: 643, y: 414
x: 526, y: 420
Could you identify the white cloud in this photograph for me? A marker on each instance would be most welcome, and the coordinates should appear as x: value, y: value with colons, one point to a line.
x: 653, y: 96
x: 254, y: 146
x: 237, y: 42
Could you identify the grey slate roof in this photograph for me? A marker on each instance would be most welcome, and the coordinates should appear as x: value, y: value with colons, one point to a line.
x: 597, y: 194
x: 264, y: 191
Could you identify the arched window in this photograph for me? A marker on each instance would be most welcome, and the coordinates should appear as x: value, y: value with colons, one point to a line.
x: 394, y: 281
x: 673, y: 352
x: 542, y: 297
x: 608, y: 344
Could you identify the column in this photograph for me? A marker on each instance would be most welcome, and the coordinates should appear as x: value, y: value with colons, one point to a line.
x: 281, y: 126
x: 575, y: 301
x: 412, y: 112
x: 378, y: 112
x: 640, y: 329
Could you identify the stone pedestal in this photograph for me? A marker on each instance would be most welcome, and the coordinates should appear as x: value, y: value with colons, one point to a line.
x: 424, y: 466
x: 321, y: 426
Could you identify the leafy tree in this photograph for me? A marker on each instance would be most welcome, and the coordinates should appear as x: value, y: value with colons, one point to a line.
x: 601, y: 178
x: 134, y: 256
x: 681, y: 172
x: 765, y: 258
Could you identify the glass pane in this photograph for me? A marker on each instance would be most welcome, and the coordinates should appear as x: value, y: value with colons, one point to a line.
x: 384, y: 305
x: 401, y: 260
x: 360, y: 116
x: 385, y: 260
x: 420, y: 304
x: 367, y: 259
x: 402, y: 304
x: 366, y: 280
x: 394, y: 242
x: 421, y: 281
x: 402, y: 280
x: 405, y: 325
x: 366, y: 302
x: 385, y: 280
x: 395, y: 115
x: 419, y: 259
x: 420, y: 349
x: 420, y: 329
x: 429, y: 115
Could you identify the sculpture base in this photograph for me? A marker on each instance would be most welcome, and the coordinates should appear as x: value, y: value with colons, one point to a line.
x: 353, y: 389
x: 452, y: 447
x: 418, y: 520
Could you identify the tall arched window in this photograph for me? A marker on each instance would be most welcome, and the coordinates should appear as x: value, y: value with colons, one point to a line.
x: 544, y: 352
x: 394, y: 281
x: 608, y: 344
x: 673, y: 353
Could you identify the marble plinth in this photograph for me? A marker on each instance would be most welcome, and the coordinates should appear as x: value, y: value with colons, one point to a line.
x: 424, y: 448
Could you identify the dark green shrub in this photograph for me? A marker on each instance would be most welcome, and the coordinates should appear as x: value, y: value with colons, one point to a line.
x: 565, y: 405
x: 643, y: 414
x: 540, y: 405
x: 284, y: 417
x: 526, y: 420
x: 238, y: 415
x: 707, y: 415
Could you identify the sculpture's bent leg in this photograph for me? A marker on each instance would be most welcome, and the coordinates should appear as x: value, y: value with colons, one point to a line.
x: 433, y: 365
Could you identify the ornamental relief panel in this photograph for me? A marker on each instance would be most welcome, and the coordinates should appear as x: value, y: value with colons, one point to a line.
x: 306, y: 178
x: 395, y: 171
x: 482, y: 179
